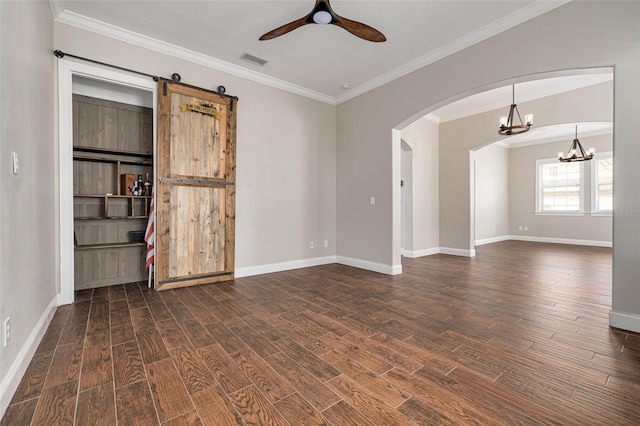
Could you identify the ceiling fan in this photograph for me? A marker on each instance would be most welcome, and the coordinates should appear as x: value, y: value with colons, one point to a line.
x: 323, y: 14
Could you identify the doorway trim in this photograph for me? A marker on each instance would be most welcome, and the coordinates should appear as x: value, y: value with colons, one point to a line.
x: 406, y: 194
x: 64, y: 146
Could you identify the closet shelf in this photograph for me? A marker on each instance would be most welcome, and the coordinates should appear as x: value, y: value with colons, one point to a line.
x: 115, y: 160
x: 141, y: 197
x: 109, y: 217
x: 111, y: 151
x: 107, y: 246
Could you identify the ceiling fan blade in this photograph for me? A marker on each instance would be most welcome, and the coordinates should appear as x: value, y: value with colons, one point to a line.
x: 322, y: 13
x: 361, y: 30
x: 284, y: 29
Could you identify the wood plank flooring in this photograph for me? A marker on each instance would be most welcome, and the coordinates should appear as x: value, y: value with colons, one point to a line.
x: 517, y: 335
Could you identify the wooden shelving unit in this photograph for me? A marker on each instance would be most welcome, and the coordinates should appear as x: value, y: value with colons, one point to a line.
x: 110, y: 139
x: 135, y: 204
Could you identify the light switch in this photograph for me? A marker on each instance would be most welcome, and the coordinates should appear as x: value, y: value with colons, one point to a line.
x: 14, y: 157
x: 372, y: 201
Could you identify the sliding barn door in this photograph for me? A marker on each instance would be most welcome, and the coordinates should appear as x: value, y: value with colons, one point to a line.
x: 195, y: 194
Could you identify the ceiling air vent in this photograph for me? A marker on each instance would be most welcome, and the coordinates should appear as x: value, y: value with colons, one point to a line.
x: 253, y: 59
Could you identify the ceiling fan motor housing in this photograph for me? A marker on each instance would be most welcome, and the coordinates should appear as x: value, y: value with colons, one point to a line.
x: 319, y: 14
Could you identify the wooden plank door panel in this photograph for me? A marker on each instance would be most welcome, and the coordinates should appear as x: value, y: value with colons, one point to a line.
x: 198, y: 145
x: 196, y: 231
x: 195, y: 211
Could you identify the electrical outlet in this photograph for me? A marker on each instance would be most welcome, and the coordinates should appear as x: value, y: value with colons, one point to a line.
x: 520, y: 228
x: 326, y: 243
x: 311, y: 245
x: 7, y: 331
x: 372, y: 201
x: 526, y: 228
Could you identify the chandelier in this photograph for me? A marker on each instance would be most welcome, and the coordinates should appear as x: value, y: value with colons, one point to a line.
x: 576, y: 152
x: 507, y: 125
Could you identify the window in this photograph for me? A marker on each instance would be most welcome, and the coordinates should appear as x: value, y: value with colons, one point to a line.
x: 559, y: 187
x: 602, y: 183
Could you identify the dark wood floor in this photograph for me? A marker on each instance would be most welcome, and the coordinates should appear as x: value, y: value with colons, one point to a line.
x: 518, y: 335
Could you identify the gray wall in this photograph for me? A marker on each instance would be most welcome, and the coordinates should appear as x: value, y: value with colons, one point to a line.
x: 286, y: 173
x: 28, y: 261
x: 505, y: 182
x: 493, y: 163
x: 574, y: 36
x: 491, y: 192
x: 457, y: 137
x: 423, y: 137
x: 522, y: 176
x: 286, y: 176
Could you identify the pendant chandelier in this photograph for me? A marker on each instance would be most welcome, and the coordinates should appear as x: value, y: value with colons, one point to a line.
x: 507, y: 125
x: 576, y: 152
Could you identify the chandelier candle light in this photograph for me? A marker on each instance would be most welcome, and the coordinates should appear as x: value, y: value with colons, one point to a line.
x: 576, y: 152
x: 507, y: 126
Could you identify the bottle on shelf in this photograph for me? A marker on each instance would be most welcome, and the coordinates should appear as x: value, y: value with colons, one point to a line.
x: 140, y: 185
x: 147, y: 187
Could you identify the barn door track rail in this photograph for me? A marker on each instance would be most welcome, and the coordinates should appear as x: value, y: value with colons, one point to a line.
x: 175, y: 77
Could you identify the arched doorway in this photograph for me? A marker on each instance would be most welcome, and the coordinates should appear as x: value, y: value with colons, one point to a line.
x: 456, y: 173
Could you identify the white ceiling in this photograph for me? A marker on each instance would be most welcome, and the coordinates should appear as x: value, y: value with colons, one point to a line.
x: 317, y: 60
x: 314, y: 60
x: 524, y: 92
x: 527, y: 91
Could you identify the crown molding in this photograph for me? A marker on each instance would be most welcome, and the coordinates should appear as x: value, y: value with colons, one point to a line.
x: 57, y: 7
x: 159, y: 46
x: 536, y: 9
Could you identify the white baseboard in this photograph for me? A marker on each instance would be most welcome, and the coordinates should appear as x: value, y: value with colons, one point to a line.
x: 492, y: 240
x: 316, y: 261
x: 18, y: 367
x: 561, y: 241
x: 283, y: 266
x: 438, y: 250
x: 420, y: 253
x: 370, y: 266
x: 629, y: 322
x: 397, y: 269
x: 457, y: 252
x: 472, y: 253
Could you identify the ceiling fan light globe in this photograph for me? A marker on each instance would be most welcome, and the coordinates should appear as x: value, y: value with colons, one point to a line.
x: 322, y: 17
